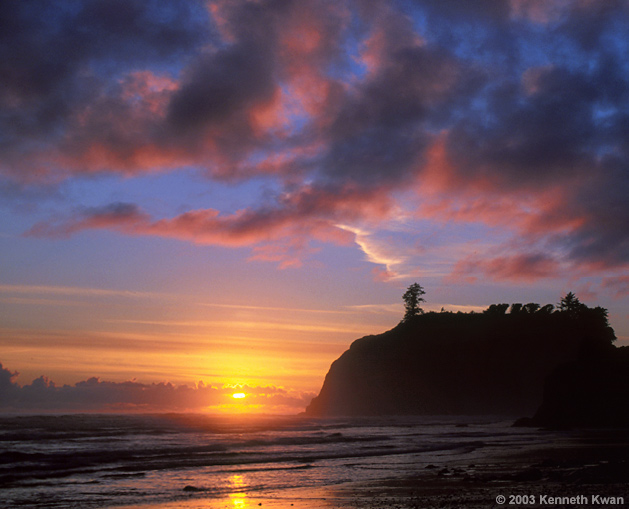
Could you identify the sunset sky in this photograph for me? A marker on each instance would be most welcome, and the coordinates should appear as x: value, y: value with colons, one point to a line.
x: 201, y: 198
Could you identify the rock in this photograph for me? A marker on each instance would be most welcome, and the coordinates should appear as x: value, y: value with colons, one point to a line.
x: 457, y: 364
x: 590, y: 392
x: 524, y: 422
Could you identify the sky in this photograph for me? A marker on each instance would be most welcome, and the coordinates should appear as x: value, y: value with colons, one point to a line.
x: 202, y: 198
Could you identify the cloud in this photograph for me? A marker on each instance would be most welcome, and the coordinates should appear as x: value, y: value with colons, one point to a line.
x: 74, y: 291
x: 546, y: 150
x: 58, y: 57
x: 508, y: 114
x: 523, y: 267
x: 222, y: 84
x: 383, y: 252
x: 115, y: 215
x: 139, y: 86
x: 309, y: 213
x: 94, y: 394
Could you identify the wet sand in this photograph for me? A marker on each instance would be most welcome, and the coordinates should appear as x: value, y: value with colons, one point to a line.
x: 591, y: 468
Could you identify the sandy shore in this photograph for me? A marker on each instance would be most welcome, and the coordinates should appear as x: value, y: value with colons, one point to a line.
x: 592, y: 470
x: 589, y: 470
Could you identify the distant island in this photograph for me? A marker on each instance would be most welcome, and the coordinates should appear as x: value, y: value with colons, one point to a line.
x: 492, y: 363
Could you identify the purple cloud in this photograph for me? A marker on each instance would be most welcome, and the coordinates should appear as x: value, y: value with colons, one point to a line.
x: 341, y: 104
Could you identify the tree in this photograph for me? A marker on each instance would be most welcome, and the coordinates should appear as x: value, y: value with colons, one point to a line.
x: 516, y: 308
x: 412, y: 299
x: 531, y: 307
x: 546, y: 310
x: 496, y: 309
x: 571, y: 305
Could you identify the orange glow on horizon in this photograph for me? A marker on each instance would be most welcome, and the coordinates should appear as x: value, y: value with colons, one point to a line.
x: 275, y: 355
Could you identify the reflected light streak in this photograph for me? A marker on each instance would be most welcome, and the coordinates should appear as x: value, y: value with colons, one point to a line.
x: 238, y: 485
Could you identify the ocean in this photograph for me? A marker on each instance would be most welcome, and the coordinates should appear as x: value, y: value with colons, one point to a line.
x: 96, y: 461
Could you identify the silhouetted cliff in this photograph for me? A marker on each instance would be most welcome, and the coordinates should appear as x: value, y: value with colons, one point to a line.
x: 592, y: 391
x: 447, y: 363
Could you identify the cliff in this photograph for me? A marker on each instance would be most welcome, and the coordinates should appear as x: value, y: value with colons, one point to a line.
x: 592, y: 391
x: 467, y: 364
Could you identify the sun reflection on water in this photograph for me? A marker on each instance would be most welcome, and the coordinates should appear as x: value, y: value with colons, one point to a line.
x: 238, y: 496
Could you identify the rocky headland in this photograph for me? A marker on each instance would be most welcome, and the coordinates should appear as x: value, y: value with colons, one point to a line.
x: 490, y: 363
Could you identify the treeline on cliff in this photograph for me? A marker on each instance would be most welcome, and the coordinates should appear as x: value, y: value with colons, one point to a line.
x: 493, y: 362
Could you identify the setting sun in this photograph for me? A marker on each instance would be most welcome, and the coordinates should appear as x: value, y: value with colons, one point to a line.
x: 239, y: 395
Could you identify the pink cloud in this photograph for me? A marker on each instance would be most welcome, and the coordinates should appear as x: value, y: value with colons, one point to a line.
x: 518, y: 267
x: 447, y: 193
x: 555, y: 218
x: 265, y: 89
x: 226, y: 106
x: 279, y: 233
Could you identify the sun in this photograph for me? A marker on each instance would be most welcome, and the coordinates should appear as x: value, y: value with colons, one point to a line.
x: 239, y: 395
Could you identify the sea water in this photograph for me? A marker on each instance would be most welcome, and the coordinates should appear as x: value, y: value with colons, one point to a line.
x: 86, y: 461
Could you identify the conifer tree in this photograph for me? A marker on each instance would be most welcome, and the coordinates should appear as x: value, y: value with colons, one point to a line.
x: 570, y: 304
x: 412, y: 298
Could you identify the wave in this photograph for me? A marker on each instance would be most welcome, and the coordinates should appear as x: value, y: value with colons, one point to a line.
x: 97, y: 452
x: 95, y: 461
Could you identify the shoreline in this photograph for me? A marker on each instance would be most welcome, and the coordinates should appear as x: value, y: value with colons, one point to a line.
x: 588, y: 469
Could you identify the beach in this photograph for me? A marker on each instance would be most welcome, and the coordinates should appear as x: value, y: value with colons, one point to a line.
x: 591, y: 469
x: 198, y: 461
x: 587, y: 469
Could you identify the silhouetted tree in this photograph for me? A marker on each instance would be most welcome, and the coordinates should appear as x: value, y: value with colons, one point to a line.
x: 516, y: 308
x: 546, y: 310
x: 531, y: 307
x: 568, y: 302
x: 571, y: 305
x: 603, y: 314
x: 496, y: 309
x: 412, y: 298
